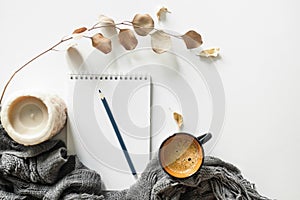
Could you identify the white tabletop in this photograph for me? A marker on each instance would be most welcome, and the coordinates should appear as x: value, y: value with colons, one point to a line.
x: 259, y: 69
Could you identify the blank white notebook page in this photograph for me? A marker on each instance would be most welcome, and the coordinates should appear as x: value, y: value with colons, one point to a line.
x: 91, y: 135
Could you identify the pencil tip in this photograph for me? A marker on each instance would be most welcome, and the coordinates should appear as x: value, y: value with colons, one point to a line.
x: 100, y: 91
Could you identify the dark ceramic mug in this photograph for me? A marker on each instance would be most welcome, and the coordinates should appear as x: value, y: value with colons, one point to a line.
x: 181, y: 155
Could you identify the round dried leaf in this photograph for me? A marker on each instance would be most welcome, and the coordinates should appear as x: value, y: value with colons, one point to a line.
x: 104, y: 20
x: 143, y: 24
x: 192, y: 39
x: 101, y: 43
x: 107, y: 24
x: 79, y: 30
x: 127, y: 39
x: 160, y: 42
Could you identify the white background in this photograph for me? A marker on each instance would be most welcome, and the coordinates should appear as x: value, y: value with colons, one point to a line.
x: 259, y: 67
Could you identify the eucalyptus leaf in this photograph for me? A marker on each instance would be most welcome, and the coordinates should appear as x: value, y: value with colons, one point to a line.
x: 79, y: 30
x: 104, y: 20
x: 160, y: 42
x: 101, y: 43
x: 127, y: 39
x: 192, y: 39
x: 107, y: 24
x: 143, y: 24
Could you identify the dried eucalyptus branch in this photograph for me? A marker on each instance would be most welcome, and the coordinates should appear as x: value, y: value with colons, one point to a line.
x: 30, y: 61
x: 142, y: 24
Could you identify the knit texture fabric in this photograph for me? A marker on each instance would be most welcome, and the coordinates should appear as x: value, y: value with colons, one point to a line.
x: 45, y: 171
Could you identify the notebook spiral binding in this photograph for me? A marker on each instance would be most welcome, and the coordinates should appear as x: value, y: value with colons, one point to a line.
x: 103, y: 77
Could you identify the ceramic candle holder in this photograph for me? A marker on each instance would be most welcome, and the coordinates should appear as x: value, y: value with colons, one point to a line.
x: 30, y: 118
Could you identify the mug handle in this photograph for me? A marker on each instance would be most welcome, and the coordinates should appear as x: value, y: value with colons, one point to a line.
x: 204, y: 138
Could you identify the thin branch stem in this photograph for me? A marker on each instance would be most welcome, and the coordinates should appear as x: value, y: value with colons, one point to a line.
x: 102, y: 26
x: 118, y: 28
x: 27, y: 63
x: 170, y: 34
x: 129, y: 23
x: 95, y: 25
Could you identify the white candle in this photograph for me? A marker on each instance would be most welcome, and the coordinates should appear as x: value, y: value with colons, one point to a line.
x: 31, y: 118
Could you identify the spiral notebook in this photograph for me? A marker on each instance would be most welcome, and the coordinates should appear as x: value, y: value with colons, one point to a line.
x: 91, y: 135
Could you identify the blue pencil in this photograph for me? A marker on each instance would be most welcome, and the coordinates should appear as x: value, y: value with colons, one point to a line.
x: 119, y: 136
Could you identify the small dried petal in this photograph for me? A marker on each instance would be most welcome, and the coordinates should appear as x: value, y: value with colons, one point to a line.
x: 101, y: 43
x: 192, y: 39
x: 161, y: 14
x: 127, y: 39
x: 212, y: 52
x: 79, y: 30
x: 160, y: 42
x: 178, y: 118
x: 143, y: 24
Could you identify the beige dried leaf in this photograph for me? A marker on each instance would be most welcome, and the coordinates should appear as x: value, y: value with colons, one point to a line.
x: 178, y: 118
x: 127, y: 39
x: 192, y: 39
x: 101, y: 43
x: 212, y: 52
x: 160, y: 42
x: 79, y: 30
x: 106, y: 21
x: 143, y: 24
x: 107, y: 25
x: 161, y: 14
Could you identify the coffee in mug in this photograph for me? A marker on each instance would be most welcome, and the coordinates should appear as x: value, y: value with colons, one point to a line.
x: 181, y: 155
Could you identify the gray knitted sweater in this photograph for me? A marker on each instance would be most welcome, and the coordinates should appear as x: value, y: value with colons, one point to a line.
x: 45, y: 171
